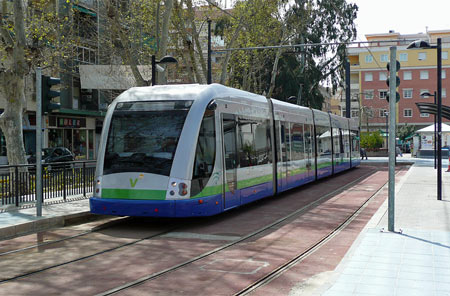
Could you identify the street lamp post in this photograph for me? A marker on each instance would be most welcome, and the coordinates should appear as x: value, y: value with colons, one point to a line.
x: 423, y: 44
x: 386, y: 114
x: 164, y: 60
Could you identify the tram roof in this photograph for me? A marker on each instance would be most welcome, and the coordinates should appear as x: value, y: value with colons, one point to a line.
x: 183, y: 92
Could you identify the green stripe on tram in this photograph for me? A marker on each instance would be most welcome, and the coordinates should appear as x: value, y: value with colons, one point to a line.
x: 209, y: 191
x: 254, y: 181
x: 133, y: 194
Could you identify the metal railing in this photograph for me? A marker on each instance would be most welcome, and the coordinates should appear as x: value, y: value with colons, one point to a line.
x: 59, y: 181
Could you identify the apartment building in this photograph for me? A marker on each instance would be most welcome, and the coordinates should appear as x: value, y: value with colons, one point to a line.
x: 418, y: 74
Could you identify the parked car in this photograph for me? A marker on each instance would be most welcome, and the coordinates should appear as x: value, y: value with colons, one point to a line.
x: 53, y: 155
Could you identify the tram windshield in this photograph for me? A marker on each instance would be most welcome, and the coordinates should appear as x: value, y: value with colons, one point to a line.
x: 143, y: 136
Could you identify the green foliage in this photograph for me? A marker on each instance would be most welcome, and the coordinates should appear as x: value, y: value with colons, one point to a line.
x: 405, y: 131
x: 320, y: 21
x: 372, y: 140
x: 305, y: 22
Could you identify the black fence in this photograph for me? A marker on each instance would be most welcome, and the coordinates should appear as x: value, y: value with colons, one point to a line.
x: 60, y: 181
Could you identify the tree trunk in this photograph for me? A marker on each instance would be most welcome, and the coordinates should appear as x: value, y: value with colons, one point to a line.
x: 196, y: 41
x: 191, y: 54
x: 162, y: 51
x: 274, y: 73
x: 275, y: 66
x: 223, y: 75
x: 12, y: 89
x: 125, y: 45
x: 11, y: 119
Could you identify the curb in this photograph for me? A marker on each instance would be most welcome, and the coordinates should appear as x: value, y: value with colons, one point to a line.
x: 41, y: 224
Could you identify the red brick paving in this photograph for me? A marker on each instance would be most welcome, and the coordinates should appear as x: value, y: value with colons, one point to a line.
x: 232, y: 269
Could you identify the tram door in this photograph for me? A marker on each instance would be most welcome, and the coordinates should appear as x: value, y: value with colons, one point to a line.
x: 230, y: 155
x: 285, y: 153
x: 309, y: 149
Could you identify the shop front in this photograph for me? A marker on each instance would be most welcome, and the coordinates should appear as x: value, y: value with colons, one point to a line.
x: 75, y: 133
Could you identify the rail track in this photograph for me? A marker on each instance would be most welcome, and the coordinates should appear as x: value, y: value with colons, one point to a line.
x: 175, y: 226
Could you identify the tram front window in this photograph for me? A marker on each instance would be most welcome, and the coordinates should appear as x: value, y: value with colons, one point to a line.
x: 143, y: 136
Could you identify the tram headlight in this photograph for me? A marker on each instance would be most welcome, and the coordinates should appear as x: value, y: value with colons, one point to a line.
x: 97, y: 186
x: 183, y: 189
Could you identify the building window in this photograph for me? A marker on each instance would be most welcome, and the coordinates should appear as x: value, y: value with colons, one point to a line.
x: 422, y: 56
x: 384, y: 58
x: 444, y: 55
x: 407, y: 112
x: 369, y: 58
x: 443, y: 74
x: 355, y: 113
x: 444, y: 93
x: 407, y: 75
x: 382, y: 76
x: 424, y: 115
x: 382, y: 94
x: 424, y: 91
x: 424, y: 74
x: 407, y: 93
x: 368, y: 77
x: 86, y: 56
x: 383, y: 113
x: 403, y: 57
x: 368, y: 94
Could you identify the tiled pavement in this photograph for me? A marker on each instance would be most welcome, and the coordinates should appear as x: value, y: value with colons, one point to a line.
x: 414, y: 260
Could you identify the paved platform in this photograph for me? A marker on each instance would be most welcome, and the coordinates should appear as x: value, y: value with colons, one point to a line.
x: 55, y: 214
x: 413, y: 260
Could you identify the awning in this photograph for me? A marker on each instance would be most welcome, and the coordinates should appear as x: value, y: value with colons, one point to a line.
x: 431, y: 108
x: 117, y: 77
x: 84, y: 10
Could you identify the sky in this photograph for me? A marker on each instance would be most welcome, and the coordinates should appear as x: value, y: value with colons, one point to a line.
x: 402, y: 16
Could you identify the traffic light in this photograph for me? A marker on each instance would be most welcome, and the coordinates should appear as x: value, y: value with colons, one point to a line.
x: 397, y: 82
x: 48, y: 94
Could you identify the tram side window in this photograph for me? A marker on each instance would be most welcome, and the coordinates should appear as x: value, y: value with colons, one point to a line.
x: 287, y: 138
x: 298, y: 148
x: 323, y: 140
x: 355, y: 141
x: 246, y: 143
x: 262, y: 143
x: 337, y: 141
x: 308, y: 141
x: 254, y: 142
x: 346, y: 141
x: 204, y: 154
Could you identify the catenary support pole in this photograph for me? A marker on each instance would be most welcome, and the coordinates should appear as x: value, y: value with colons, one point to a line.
x: 439, y: 119
x: 391, y: 147
x: 347, y: 88
x: 38, y: 187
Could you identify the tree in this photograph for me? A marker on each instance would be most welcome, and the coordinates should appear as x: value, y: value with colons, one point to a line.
x: 12, y: 82
x: 405, y: 131
x: 320, y: 21
x: 371, y: 140
x: 31, y: 35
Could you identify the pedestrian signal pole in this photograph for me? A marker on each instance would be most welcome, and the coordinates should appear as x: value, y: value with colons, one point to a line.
x: 391, y: 148
x: 38, y: 142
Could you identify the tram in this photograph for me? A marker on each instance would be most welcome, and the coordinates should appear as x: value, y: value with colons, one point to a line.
x: 200, y: 150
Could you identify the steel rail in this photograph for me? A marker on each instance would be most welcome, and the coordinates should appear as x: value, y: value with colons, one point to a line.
x: 300, y: 257
x: 91, y: 255
x: 233, y: 243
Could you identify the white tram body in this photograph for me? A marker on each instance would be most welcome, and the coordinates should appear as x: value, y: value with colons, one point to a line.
x: 199, y: 150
